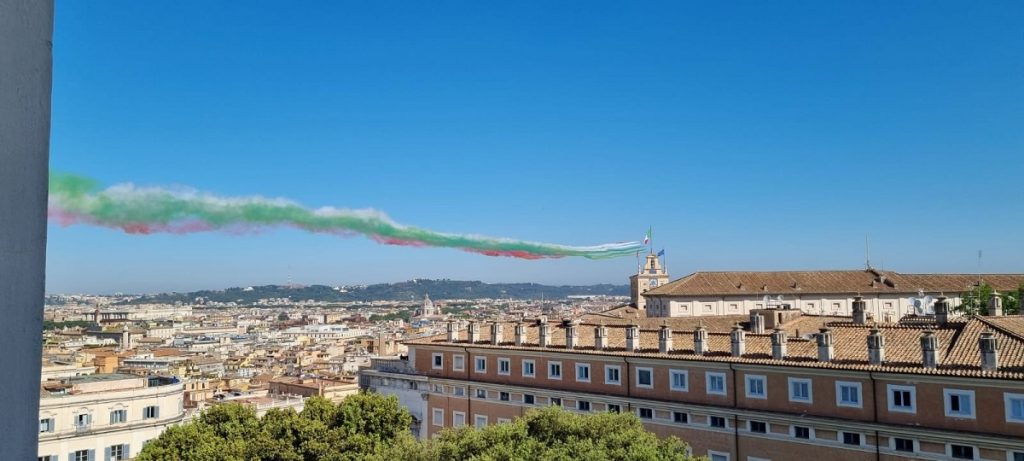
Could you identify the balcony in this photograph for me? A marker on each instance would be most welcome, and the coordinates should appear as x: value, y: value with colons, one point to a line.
x: 82, y: 428
x: 392, y: 366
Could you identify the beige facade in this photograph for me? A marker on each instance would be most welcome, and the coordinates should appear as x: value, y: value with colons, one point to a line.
x: 650, y: 276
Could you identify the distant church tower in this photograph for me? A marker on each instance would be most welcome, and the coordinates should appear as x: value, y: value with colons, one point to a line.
x: 651, y: 276
x: 428, y: 306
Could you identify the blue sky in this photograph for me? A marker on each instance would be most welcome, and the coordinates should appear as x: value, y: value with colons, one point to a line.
x: 750, y: 135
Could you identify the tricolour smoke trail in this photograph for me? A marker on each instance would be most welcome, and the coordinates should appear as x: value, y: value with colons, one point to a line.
x: 145, y: 210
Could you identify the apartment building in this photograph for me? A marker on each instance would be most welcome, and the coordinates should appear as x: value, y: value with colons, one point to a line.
x: 769, y: 386
x: 105, y: 417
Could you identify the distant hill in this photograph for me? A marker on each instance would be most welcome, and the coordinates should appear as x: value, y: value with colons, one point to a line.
x: 401, y: 291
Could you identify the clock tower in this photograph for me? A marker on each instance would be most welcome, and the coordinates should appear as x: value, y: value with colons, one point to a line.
x: 651, y: 276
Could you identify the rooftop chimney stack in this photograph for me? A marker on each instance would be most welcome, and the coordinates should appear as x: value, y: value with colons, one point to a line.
x: 600, y: 337
x: 497, y: 333
x: 545, y: 332
x: 756, y: 323
x: 859, y: 311
x: 665, y: 339
x: 941, y: 310
x: 572, y: 336
x: 825, y: 350
x: 995, y: 305
x: 453, y: 332
x: 520, y: 333
x: 700, y: 339
x: 989, y: 351
x: 633, y: 338
x: 738, y: 338
x: 930, y: 349
x: 876, y: 347
x: 474, y: 332
x: 779, y: 344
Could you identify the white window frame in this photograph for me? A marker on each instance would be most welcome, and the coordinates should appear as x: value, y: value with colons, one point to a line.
x: 764, y: 386
x: 437, y: 416
x: 707, y: 383
x: 750, y: 424
x: 672, y: 380
x: 947, y: 393
x: 712, y: 454
x: 477, y: 419
x: 504, y: 420
x: 455, y: 418
x: 533, y: 364
x: 1010, y: 455
x: 534, y: 396
x: 638, y: 415
x: 479, y: 391
x: 476, y: 364
x: 810, y: 432
x: 949, y: 450
x: 810, y: 390
x: 839, y: 394
x: 508, y: 366
x: 459, y: 391
x: 842, y: 441
x: 725, y: 422
x: 458, y: 362
x: 1007, y: 399
x: 434, y: 359
x: 618, y: 372
x: 648, y: 370
x: 684, y: 413
x: 586, y: 366
x: 890, y: 388
x: 892, y: 444
x: 560, y: 370
x: 590, y: 405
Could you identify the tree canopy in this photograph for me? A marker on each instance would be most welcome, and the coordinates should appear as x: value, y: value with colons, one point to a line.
x: 373, y: 427
x: 976, y: 301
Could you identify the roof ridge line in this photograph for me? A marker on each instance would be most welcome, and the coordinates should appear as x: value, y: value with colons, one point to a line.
x: 1002, y: 330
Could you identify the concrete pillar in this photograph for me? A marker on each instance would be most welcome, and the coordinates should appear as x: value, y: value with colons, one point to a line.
x: 738, y: 339
x: 876, y: 347
x: 26, y: 31
x: 633, y: 338
x: 859, y: 311
x: 665, y: 339
x: 989, y: 351
x: 779, y: 344
x: 545, y: 332
x: 600, y: 337
x: 497, y: 333
x: 826, y: 351
x: 756, y: 323
x: 930, y: 349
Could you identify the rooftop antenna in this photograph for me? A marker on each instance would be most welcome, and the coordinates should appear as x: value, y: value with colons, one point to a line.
x: 867, y: 253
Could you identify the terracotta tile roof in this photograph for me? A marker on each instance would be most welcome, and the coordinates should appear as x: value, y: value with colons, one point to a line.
x: 958, y: 342
x: 828, y: 282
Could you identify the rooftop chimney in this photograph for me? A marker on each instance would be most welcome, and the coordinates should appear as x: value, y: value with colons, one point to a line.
x: 572, y: 337
x: 995, y: 305
x: 825, y: 350
x: 665, y: 339
x: 929, y: 349
x: 989, y: 351
x: 497, y: 333
x: 700, y: 339
x: 453, y: 332
x: 738, y: 338
x: 474, y: 332
x: 633, y: 337
x: 600, y: 337
x: 941, y: 310
x: 520, y: 333
x: 779, y: 344
x: 859, y: 308
x: 545, y: 332
x: 756, y: 323
x: 876, y: 347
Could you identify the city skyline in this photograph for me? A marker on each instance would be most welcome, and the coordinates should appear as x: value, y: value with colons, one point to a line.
x: 751, y: 137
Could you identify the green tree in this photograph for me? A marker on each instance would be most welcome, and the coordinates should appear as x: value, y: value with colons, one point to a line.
x: 976, y: 301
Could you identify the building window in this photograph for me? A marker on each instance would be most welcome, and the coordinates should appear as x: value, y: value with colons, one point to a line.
x: 612, y: 374
x: 905, y: 445
x: 46, y: 425
x: 458, y: 419
x: 480, y: 421
x: 556, y: 401
x: 118, y: 416
x: 481, y: 393
x: 529, y: 368
x: 679, y: 380
x: 613, y: 408
x: 715, y: 383
x: 851, y: 438
x: 504, y: 396
x: 961, y: 451
x: 1014, y: 407
x: 528, y: 399
x: 848, y: 394
x: 438, y: 388
x: 716, y: 421
x: 717, y: 456
x: 117, y: 452
x: 582, y: 405
x: 504, y: 420
x: 481, y: 365
x: 902, y: 398
x: 82, y: 455
x: 1017, y: 456
x: 759, y: 427
x: 554, y: 370
x: 48, y: 458
x: 459, y: 391
x: 645, y: 377
x: 151, y: 412
x: 438, y: 361
x: 583, y: 372
x: 801, y: 432
x: 83, y: 420
x: 680, y: 417
x: 459, y: 362
x: 800, y: 390
x: 645, y: 413
x: 959, y: 403
x: 756, y: 387
x: 504, y: 366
